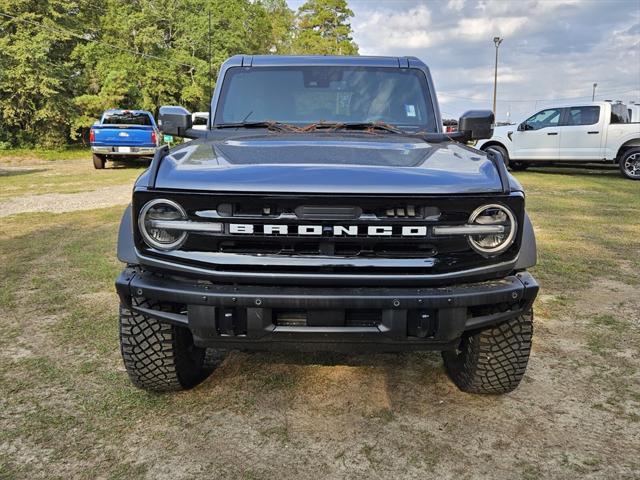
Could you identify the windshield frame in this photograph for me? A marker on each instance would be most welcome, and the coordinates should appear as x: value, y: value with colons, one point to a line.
x: 432, y: 113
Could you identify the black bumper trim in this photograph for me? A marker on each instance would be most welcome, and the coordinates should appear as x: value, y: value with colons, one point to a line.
x: 279, y: 279
x: 204, y: 301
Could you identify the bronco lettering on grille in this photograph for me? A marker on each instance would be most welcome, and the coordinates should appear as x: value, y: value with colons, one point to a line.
x: 328, y: 230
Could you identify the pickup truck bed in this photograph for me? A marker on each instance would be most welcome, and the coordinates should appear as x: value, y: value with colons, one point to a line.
x: 122, y: 134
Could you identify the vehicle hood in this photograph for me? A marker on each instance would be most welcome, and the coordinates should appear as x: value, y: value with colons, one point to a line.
x: 327, y: 163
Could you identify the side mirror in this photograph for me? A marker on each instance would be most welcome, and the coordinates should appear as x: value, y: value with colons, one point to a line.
x: 522, y: 127
x: 476, y: 125
x: 177, y: 121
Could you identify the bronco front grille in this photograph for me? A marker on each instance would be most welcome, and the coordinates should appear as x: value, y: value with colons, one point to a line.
x: 297, y: 233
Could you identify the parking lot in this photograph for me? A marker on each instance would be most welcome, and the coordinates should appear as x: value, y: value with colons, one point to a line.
x: 68, y: 410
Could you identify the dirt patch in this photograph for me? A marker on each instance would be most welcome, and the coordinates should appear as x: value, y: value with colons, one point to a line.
x: 8, y: 163
x: 68, y: 410
x: 67, y: 202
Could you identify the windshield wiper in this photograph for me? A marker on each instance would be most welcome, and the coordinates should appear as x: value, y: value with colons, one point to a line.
x: 278, y: 126
x: 369, y: 127
x: 364, y: 126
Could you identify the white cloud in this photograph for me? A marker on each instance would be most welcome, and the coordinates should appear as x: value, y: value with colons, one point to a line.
x: 456, y: 5
x: 382, y: 30
x: 532, y: 7
x: 552, y: 49
x: 484, y: 27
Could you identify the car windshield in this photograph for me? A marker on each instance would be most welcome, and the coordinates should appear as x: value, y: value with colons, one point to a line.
x: 126, y: 118
x: 301, y: 95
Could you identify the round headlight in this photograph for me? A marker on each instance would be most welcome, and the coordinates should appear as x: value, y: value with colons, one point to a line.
x: 151, y: 220
x: 493, y: 243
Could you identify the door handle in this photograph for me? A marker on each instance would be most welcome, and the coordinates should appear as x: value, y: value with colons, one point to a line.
x: 552, y: 133
x: 592, y: 133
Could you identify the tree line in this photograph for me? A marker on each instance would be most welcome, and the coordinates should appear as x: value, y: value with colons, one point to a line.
x: 63, y: 62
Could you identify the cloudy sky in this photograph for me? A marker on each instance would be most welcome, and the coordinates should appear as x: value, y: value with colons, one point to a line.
x: 553, y: 50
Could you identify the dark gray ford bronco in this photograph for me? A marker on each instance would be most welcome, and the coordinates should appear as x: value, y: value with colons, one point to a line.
x: 324, y: 209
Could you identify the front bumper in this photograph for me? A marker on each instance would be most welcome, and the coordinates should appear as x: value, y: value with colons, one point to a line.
x: 125, y: 151
x: 397, y: 319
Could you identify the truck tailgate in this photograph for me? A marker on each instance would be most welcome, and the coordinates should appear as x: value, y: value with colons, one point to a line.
x: 123, y: 135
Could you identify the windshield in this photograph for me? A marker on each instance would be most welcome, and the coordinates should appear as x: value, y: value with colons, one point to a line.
x: 302, y: 95
x: 126, y: 118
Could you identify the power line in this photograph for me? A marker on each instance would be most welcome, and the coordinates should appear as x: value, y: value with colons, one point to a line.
x: 84, y: 37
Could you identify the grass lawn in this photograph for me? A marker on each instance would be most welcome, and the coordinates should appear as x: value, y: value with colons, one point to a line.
x: 67, y: 409
x: 68, y: 171
x: 28, y: 154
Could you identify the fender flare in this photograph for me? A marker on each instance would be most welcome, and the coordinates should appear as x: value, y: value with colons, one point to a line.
x: 528, y: 255
x: 126, y: 249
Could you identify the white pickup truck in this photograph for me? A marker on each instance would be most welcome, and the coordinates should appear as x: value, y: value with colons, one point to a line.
x: 586, y: 132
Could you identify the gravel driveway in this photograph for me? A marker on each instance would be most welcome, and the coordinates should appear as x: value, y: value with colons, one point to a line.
x: 67, y: 202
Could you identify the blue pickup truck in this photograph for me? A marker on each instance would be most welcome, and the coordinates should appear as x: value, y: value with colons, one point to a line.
x: 122, y: 134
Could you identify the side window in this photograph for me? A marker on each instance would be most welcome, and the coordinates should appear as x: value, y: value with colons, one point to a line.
x: 583, y: 115
x: 546, y: 118
x: 620, y: 114
x: 199, y: 120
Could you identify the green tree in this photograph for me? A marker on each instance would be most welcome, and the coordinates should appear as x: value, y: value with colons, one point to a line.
x: 157, y: 52
x: 38, y: 77
x: 323, y: 28
x: 62, y: 62
x: 282, y: 20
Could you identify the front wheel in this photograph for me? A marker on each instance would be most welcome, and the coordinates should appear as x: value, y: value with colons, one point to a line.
x: 162, y: 357
x: 518, y: 166
x: 630, y: 164
x: 98, y: 161
x: 492, y: 360
x: 502, y: 151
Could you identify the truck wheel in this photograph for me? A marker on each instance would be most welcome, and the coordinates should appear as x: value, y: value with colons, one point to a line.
x: 492, y: 360
x: 630, y: 164
x: 502, y: 151
x: 98, y: 161
x: 518, y: 166
x: 158, y: 356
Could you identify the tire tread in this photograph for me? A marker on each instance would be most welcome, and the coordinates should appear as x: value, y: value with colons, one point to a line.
x: 152, y: 353
x: 493, y: 360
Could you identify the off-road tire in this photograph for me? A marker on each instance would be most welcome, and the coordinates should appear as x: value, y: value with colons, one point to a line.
x: 634, y: 153
x: 492, y: 360
x: 502, y: 151
x: 98, y: 161
x: 158, y: 356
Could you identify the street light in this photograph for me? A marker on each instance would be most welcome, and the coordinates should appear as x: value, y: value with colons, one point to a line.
x: 593, y: 95
x: 497, y: 41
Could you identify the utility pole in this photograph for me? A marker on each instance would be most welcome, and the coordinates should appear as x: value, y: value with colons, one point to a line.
x: 593, y: 95
x: 497, y: 41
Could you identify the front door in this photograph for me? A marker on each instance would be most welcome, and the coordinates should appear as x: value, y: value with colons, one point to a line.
x: 538, y: 137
